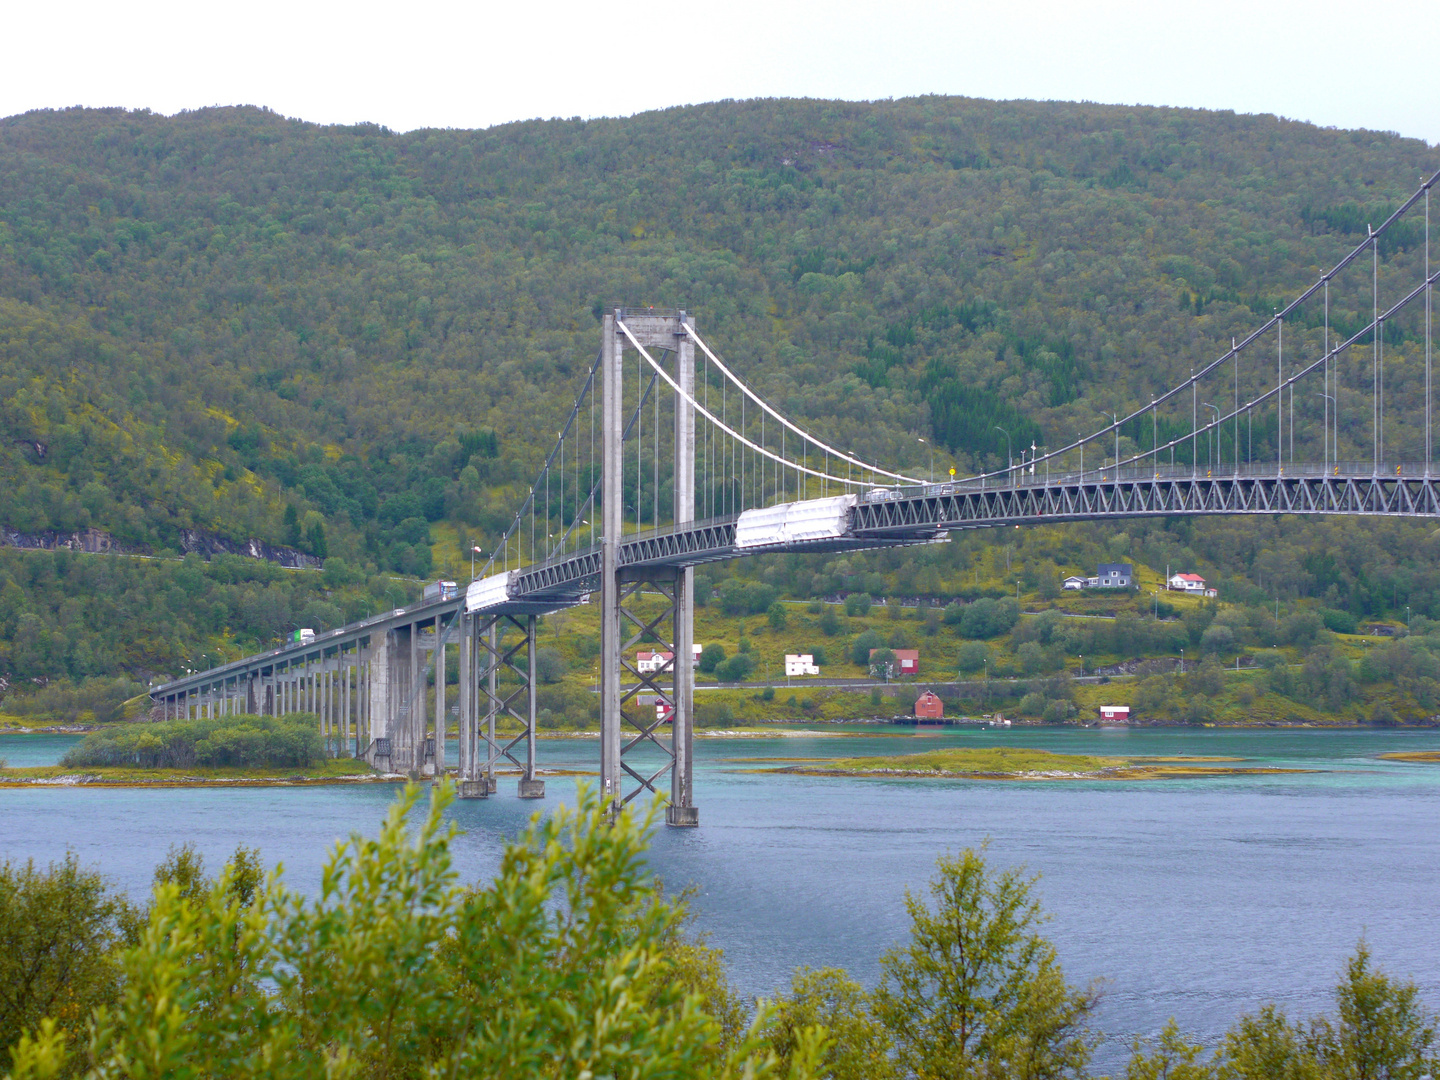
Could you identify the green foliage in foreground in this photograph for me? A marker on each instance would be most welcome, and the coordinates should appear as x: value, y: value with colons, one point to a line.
x: 394, y: 969
x: 219, y: 742
x: 1381, y: 1031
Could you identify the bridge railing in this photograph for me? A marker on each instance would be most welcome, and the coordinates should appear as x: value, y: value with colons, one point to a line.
x: 655, y: 532
x: 1132, y: 474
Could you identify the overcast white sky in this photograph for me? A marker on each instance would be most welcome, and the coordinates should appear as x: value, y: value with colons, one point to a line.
x: 450, y: 64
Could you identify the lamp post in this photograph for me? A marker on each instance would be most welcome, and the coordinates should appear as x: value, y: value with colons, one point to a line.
x: 473, y: 552
x: 932, y: 460
x: 1182, y: 659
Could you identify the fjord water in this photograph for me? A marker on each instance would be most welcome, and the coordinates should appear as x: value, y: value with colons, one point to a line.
x: 1197, y: 898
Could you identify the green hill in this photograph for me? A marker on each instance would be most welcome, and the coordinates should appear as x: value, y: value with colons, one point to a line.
x: 226, y: 326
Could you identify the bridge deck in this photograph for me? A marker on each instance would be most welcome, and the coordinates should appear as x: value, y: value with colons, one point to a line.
x: 895, y: 516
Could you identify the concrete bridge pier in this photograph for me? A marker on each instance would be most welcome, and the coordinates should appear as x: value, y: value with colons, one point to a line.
x: 379, y: 750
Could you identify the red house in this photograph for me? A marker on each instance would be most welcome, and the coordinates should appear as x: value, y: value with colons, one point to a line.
x: 906, y: 660
x: 929, y: 707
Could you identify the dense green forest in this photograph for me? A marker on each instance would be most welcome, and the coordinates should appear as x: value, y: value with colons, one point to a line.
x: 356, y: 344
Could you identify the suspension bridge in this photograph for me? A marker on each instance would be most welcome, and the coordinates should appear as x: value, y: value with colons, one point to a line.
x: 679, y: 462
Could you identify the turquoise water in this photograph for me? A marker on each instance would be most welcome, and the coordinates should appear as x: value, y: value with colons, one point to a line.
x: 31, y: 750
x: 1197, y: 898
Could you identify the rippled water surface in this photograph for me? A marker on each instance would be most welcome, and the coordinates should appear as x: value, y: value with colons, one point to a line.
x: 1196, y: 898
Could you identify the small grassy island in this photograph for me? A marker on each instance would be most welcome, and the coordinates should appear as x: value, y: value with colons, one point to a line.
x: 1021, y: 763
x: 220, y: 751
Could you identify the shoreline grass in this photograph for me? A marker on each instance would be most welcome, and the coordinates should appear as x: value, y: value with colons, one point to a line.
x: 1023, y: 763
x: 331, y: 771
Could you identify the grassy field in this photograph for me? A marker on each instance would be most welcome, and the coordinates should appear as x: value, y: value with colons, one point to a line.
x: 986, y: 761
x: 1018, y: 763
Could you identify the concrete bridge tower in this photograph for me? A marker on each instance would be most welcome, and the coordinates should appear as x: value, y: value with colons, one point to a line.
x: 620, y: 680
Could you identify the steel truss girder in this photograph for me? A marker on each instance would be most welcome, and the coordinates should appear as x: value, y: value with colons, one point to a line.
x: 643, y: 630
x: 1391, y: 496
x: 493, y: 655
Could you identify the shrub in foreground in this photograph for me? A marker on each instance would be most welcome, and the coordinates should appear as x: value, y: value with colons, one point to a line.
x: 572, y: 963
x: 563, y: 966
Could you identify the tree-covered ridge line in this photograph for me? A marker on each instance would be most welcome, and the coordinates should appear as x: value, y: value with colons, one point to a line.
x: 233, y: 236
x: 357, y: 344
x: 78, y: 616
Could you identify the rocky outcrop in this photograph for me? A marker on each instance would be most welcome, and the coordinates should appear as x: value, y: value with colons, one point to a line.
x: 208, y: 544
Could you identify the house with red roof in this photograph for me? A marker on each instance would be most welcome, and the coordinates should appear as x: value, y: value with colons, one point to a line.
x: 1190, y: 583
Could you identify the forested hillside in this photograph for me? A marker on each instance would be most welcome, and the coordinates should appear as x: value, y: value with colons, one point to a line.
x: 358, y: 344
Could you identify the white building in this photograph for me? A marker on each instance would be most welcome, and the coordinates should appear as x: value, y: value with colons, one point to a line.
x: 800, y: 664
x: 647, y: 663
x: 1073, y: 582
x: 1191, y: 583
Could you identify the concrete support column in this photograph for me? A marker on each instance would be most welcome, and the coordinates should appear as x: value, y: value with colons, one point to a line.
x: 530, y: 788
x: 492, y: 707
x: 611, y: 523
x: 362, y: 678
x: 442, y: 713
x: 682, y: 809
x: 345, y: 707
x: 473, y: 782
x: 413, y: 753
x: 465, y: 698
x: 378, y: 695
